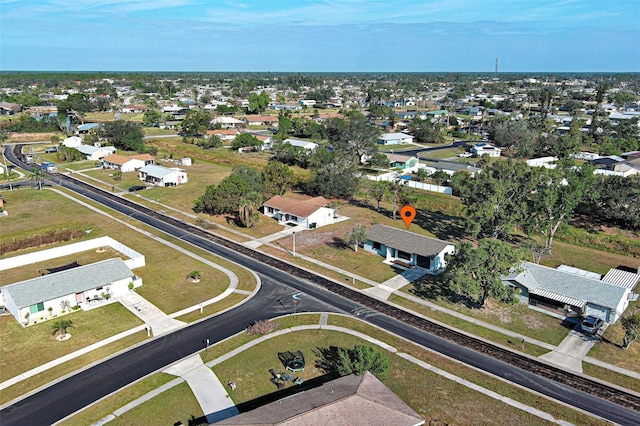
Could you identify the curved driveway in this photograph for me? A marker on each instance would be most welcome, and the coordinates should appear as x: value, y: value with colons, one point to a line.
x: 65, y: 397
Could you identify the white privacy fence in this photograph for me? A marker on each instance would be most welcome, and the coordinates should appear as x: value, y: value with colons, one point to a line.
x: 135, y: 259
x: 394, y: 176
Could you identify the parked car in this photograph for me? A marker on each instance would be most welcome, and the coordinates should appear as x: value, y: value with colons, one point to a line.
x: 591, y: 324
x: 134, y: 188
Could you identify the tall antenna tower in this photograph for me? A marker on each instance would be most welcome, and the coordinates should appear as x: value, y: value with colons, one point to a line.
x: 497, y: 62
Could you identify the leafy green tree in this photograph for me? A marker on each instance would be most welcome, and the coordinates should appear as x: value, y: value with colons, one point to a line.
x: 258, y: 102
x: 496, y: 200
x: 152, y: 117
x: 378, y: 190
x: 117, y: 175
x: 226, y: 197
x: 244, y: 140
x: 615, y: 200
x: 277, y: 178
x: 342, y: 361
x: 285, y: 126
x: 338, y: 178
x: 214, y: 141
x: 357, y: 236
x: 424, y: 131
x: 475, y: 273
x: 379, y: 161
x: 354, y: 137
x: 195, y: 123
x: 124, y: 135
x: 554, y: 199
x: 514, y: 135
x: 440, y: 177
x: 631, y: 325
x: 78, y: 102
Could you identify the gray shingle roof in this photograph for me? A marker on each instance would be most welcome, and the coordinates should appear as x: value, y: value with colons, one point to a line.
x: 156, y: 171
x: 48, y: 287
x: 574, y: 286
x: 347, y: 401
x: 406, y: 241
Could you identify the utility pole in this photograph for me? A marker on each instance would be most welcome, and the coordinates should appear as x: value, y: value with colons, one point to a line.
x: 294, y: 243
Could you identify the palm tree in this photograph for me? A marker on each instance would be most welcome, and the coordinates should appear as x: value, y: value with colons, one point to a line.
x: 195, y: 275
x: 62, y: 326
x: 37, y: 176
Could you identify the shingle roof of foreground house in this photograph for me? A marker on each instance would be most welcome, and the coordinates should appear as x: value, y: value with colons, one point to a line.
x: 296, y: 207
x: 566, y: 287
x: 59, y: 284
x: 406, y: 241
x: 156, y: 171
x: 347, y: 401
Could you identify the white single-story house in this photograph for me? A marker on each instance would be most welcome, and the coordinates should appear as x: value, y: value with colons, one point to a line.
x: 162, y: 176
x: 228, y: 122
x: 563, y: 290
x: 394, y: 139
x: 408, y: 249
x: 31, y: 299
x: 483, y: 148
x: 95, y: 153
x: 226, y: 135
x: 306, y: 145
x: 260, y: 120
x: 312, y: 212
x: 449, y: 167
x: 126, y: 163
x: 72, y: 142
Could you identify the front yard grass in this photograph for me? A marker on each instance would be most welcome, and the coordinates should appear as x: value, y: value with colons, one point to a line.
x: 177, y: 404
x: 25, y: 348
x: 430, y: 395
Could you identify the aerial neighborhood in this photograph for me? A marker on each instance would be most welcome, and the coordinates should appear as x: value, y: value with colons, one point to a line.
x: 500, y: 207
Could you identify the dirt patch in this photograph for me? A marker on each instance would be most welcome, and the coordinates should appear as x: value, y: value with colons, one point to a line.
x: 29, y: 137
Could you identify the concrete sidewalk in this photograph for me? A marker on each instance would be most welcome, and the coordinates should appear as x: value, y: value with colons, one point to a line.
x: 387, y: 288
x: 159, y: 322
x: 206, y: 387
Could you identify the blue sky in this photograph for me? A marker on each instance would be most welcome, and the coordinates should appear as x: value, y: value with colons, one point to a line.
x: 321, y: 35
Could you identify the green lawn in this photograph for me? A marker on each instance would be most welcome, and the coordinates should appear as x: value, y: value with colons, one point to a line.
x: 25, y: 348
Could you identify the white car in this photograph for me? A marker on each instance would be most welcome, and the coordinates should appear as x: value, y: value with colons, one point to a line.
x: 465, y: 155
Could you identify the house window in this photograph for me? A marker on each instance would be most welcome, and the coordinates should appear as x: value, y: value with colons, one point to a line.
x: 376, y: 245
x: 403, y: 255
x: 99, y: 288
x: 294, y: 218
x: 38, y: 307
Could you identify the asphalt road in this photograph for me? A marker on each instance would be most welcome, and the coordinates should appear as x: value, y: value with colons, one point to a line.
x: 64, y: 398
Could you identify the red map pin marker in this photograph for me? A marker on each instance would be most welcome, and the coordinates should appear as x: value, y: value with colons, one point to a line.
x: 408, y: 213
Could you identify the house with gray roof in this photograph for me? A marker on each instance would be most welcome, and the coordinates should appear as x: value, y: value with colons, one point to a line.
x: 394, y: 139
x: 95, y: 153
x: 408, y: 249
x: 350, y: 400
x: 162, y: 176
x: 564, y: 290
x: 76, y: 286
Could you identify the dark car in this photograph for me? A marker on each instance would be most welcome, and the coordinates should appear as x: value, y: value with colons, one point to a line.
x: 591, y: 324
x: 134, y: 188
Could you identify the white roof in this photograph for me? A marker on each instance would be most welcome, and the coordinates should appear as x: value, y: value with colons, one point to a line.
x: 89, y: 149
x: 622, y: 278
x: 157, y: 171
x: 394, y: 136
x: 577, y: 271
x: 301, y: 144
x: 226, y: 120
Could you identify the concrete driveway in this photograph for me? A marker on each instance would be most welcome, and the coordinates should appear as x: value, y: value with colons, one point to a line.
x: 572, y: 350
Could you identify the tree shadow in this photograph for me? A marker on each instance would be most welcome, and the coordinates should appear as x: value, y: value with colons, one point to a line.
x: 327, y: 359
x: 338, y: 243
x: 434, y: 288
x: 442, y: 225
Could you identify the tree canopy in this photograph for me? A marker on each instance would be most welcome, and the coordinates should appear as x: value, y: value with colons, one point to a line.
x: 226, y: 197
x: 475, y: 273
x: 354, y: 137
x: 124, y: 135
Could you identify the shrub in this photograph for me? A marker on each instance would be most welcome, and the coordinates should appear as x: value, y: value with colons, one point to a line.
x: 262, y: 327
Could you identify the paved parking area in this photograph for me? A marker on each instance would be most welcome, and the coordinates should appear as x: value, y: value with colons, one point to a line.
x: 572, y: 350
